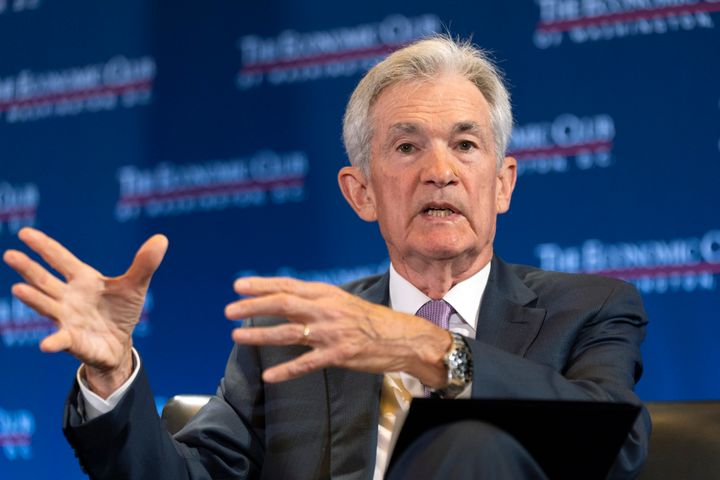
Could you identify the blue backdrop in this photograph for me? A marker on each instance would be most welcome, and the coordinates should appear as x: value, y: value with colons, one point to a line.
x: 218, y: 124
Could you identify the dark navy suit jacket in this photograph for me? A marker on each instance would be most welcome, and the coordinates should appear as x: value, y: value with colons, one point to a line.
x: 540, y: 335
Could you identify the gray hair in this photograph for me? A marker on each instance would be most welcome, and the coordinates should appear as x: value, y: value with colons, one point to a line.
x: 425, y: 60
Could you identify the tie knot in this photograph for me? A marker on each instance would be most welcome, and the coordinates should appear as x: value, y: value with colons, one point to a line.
x: 437, y: 311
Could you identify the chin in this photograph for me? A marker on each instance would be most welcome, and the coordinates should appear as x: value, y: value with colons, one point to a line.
x: 442, y: 251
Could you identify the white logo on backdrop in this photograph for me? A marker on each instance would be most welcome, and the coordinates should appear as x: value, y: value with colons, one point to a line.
x: 16, y: 430
x: 168, y: 189
x: 293, y: 56
x: 18, y: 206
x: 653, y: 266
x: 120, y: 82
x: 583, y: 21
x: 568, y: 142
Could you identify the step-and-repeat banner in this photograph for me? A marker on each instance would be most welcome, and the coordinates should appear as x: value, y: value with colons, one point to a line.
x: 218, y: 124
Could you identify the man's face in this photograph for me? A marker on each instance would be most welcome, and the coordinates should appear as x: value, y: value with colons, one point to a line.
x: 434, y: 187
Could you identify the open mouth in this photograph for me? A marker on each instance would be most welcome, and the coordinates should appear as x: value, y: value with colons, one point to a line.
x: 439, y: 210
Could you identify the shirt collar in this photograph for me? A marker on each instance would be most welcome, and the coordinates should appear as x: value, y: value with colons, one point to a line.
x: 464, y: 297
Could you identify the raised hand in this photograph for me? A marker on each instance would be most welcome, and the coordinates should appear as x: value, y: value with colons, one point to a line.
x: 342, y: 329
x: 95, y: 314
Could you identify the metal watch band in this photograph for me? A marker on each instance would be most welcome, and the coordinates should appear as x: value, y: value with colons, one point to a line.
x: 458, y: 361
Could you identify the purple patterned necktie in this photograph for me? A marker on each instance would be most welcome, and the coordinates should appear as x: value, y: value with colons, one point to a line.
x: 438, y: 312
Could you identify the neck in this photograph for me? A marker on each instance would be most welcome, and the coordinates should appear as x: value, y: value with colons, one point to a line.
x: 436, y: 277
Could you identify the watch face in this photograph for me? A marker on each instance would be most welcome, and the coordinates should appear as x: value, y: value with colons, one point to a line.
x: 459, y: 363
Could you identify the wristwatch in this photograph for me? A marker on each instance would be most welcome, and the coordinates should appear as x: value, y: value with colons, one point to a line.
x: 458, y: 361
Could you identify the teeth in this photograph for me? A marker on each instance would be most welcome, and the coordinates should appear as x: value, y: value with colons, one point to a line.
x: 439, y: 212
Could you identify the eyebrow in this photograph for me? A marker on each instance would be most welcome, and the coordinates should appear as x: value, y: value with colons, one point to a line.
x: 460, y: 127
x: 468, y: 127
x: 402, y: 128
x: 405, y: 127
x: 409, y: 128
x: 474, y: 128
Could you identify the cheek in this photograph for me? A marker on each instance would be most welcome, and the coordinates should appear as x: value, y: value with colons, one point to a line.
x: 394, y: 208
x: 484, y: 204
x: 394, y: 190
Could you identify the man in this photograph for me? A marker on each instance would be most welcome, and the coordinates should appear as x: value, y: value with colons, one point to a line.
x: 426, y: 132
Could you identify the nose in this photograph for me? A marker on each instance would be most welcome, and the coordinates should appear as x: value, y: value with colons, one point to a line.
x: 439, y: 168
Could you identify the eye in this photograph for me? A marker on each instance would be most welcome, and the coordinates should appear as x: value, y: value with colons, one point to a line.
x: 466, y: 145
x: 406, y: 148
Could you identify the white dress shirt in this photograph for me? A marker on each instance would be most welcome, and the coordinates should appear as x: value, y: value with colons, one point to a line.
x: 95, y: 405
x: 404, y: 297
x: 465, y: 298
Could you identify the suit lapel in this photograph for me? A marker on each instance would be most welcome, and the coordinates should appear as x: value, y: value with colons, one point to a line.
x: 508, y: 320
x: 353, y: 402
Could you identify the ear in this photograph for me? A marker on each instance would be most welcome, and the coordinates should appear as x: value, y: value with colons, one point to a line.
x: 506, y: 178
x: 358, y: 193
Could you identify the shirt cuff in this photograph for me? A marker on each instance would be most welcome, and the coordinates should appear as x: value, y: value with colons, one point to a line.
x: 96, y: 405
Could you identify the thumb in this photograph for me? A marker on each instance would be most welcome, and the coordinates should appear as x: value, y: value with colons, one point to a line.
x: 147, y: 260
x: 56, y: 342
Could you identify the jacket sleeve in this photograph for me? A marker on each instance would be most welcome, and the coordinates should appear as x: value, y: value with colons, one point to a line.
x: 599, y: 360
x: 224, y: 440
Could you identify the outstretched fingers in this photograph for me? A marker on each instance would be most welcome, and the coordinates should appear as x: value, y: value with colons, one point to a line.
x: 34, y: 273
x: 56, y: 255
x: 292, y: 307
x: 285, y: 334
x: 37, y: 300
x: 302, y: 365
x: 255, y: 286
x: 57, y: 342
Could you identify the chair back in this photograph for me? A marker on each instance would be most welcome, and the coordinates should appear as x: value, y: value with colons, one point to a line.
x: 181, y: 408
x: 685, y: 441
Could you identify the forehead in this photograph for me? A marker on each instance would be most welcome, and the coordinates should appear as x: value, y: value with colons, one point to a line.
x: 439, y: 103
